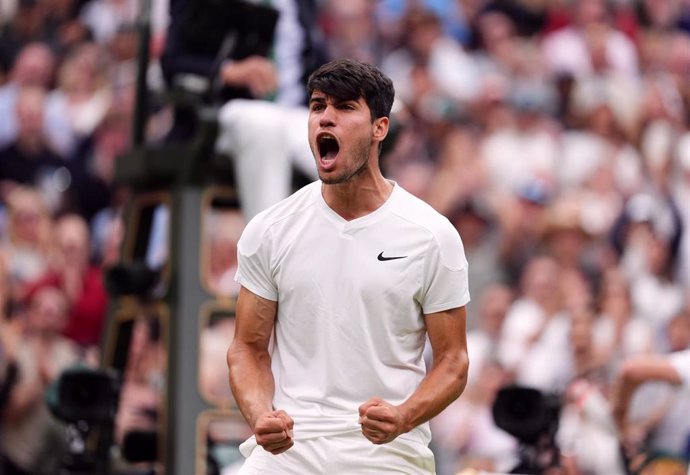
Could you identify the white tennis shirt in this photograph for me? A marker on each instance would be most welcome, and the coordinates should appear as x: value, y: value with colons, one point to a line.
x: 351, y: 297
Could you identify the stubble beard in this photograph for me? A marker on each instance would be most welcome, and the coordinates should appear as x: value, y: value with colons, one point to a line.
x: 361, y: 155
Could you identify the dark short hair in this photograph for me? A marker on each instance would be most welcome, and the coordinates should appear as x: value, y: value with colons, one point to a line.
x: 348, y: 79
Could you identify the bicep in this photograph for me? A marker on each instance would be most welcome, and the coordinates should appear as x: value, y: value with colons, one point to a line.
x: 254, y: 320
x: 447, y: 332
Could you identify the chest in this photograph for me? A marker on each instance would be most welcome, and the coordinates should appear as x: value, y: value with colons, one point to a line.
x: 372, y: 264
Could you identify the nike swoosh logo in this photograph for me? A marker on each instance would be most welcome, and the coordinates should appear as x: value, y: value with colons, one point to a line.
x: 382, y: 258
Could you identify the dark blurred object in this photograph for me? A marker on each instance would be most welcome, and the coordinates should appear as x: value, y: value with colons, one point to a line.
x: 140, y: 446
x: 532, y: 418
x: 86, y: 394
x: 86, y: 399
x: 205, y: 33
x: 132, y: 279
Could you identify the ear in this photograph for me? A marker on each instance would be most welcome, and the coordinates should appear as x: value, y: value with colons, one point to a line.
x: 380, y: 128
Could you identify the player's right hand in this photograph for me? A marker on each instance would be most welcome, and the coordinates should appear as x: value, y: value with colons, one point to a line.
x: 273, y: 431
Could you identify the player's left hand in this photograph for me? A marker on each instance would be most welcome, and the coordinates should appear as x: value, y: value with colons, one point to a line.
x: 381, y: 421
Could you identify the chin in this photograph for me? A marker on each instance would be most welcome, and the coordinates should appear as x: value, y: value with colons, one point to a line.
x: 330, y: 179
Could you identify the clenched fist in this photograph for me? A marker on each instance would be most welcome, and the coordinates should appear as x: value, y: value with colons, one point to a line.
x: 381, y: 422
x: 273, y: 431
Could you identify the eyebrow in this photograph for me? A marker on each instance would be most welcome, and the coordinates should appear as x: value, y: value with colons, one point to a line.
x: 335, y: 100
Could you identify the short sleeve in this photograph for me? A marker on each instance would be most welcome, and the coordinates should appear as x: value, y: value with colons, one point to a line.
x: 445, y: 280
x: 254, y: 262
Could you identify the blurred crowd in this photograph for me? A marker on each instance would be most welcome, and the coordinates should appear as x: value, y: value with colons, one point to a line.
x: 554, y: 134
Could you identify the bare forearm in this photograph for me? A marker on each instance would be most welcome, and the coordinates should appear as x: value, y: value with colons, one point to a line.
x: 443, y: 384
x: 621, y: 396
x: 251, y: 381
x: 635, y: 372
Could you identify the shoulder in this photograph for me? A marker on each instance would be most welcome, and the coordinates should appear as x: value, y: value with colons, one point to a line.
x: 440, y: 231
x: 419, y: 213
x: 278, y: 215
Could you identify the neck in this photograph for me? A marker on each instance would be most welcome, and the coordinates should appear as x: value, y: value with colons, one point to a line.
x: 357, y: 197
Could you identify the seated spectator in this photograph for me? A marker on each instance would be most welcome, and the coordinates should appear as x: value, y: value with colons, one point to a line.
x: 81, y: 281
x: 22, y: 28
x: 33, y: 440
x: 62, y: 28
x: 83, y: 95
x: 26, y: 246
x: 28, y: 158
x: 34, y: 66
x: 534, y: 337
x: 590, y: 43
x: 618, y: 332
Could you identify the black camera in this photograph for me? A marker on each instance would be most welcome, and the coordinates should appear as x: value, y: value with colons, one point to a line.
x: 531, y: 417
x: 86, y: 398
x: 86, y: 394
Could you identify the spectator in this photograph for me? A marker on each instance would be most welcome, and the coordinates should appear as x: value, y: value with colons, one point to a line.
x: 590, y: 43
x: 83, y: 95
x: 618, y: 332
x: 80, y: 280
x: 352, y: 31
x: 23, y: 28
x: 450, y: 72
x: 566, y: 237
x: 524, y: 149
x: 62, y: 28
x: 521, y: 218
x: 35, y: 67
x: 534, y: 338
x: 28, y: 159
x: 27, y: 242
x: 33, y: 441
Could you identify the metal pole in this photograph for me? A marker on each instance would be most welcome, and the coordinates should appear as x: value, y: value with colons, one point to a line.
x: 141, y: 98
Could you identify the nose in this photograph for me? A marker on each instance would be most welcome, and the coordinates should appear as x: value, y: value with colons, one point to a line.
x: 327, y: 116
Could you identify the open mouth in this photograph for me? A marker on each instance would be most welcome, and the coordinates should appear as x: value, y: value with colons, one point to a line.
x: 328, y: 147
